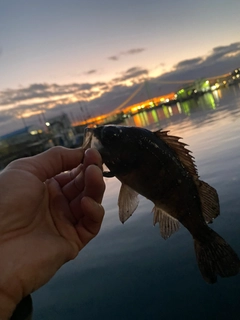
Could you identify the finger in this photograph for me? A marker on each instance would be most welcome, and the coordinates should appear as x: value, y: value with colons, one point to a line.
x: 58, y: 204
x: 51, y: 162
x: 65, y: 177
x: 92, y: 156
x: 89, y: 226
x: 76, y: 186
x: 94, y: 188
x: 94, y: 183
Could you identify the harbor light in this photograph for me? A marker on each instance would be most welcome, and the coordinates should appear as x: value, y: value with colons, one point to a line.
x: 33, y: 132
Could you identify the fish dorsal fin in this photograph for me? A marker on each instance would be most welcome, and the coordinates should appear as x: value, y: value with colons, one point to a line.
x: 167, y: 224
x: 127, y: 202
x: 209, y: 201
x: 179, y: 148
x: 208, y: 195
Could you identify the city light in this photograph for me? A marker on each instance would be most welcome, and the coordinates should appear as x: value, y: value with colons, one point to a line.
x: 33, y: 132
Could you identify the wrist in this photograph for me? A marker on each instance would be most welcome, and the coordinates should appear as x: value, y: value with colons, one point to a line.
x: 10, y: 311
x: 10, y: 289
x: 7, y: 306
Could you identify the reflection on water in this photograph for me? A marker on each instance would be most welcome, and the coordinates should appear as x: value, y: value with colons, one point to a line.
x: 129, y: 271
x: 207, y: 103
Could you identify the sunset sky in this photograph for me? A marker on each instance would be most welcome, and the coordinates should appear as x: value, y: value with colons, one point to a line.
x: 55, y: 53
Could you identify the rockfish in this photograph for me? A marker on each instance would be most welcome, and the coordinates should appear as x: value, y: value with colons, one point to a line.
x: 159, y: 167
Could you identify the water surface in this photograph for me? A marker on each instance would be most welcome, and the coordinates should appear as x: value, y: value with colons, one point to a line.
x: 128, y: 271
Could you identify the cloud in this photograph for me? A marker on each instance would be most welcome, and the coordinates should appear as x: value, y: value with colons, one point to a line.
x: 135, y: 73
x: 51, y: 99
x: 5, y: 117
x: 133, y: 51
x: 126, y: 53
x: 219, y: 61
x: 103, y: 97
x: 188, y: 63
x: 91, y: 71
x: 113, y: 58
x: 45, y: 91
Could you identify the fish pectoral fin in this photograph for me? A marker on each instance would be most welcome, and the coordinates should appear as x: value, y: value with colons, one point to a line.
x: 108, y: 174
x: 127, y: 202
x: 167, y: 224
x: 209, y: 201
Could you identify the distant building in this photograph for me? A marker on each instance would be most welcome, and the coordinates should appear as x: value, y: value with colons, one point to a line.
x: 195, y: 89
x: 235, y: 76
x: 61, y: 130
x: 29, y: 133
x: 24, y: 142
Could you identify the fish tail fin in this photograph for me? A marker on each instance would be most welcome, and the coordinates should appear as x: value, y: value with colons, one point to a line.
x: 215, y: 257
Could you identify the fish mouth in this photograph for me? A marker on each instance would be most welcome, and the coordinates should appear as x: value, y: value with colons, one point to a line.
x: 90, y: 140
x: 95, y: 143
x: 87, y: 138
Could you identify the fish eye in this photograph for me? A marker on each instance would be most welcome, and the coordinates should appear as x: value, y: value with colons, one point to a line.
x: 110, y: 133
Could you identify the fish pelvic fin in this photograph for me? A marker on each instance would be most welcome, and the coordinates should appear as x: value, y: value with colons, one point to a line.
x: 127, y: 202
x: 179, y: 148
x: 167, y: 224
x: 209, y: 201
x: 215, y: 257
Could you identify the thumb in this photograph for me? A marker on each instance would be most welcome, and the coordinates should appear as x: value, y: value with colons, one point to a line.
x: 50, y: 163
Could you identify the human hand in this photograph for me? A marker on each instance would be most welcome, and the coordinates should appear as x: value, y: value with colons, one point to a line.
x: 46, y: 217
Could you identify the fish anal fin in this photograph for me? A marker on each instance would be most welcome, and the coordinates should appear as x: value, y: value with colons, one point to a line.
x: 167, y: 224
x: 182, y: 153
x: 209, y: 201
x: 127, y: 202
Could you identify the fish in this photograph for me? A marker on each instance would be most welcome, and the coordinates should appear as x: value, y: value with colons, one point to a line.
x: 159, y: 167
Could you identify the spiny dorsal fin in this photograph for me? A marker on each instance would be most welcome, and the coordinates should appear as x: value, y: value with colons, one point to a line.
x: 209, y: 201
x: 167, y: 224
x: 127, y: 202
x: 208, y: 195
x: 182, y: 153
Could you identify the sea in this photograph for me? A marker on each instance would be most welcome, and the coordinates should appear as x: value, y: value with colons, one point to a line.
x: 129, y: 271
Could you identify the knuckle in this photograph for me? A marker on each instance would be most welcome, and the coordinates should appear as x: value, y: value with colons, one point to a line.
x: 56, y: 150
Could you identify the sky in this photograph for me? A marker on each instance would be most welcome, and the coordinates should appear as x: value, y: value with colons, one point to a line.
x: 89, y: 56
